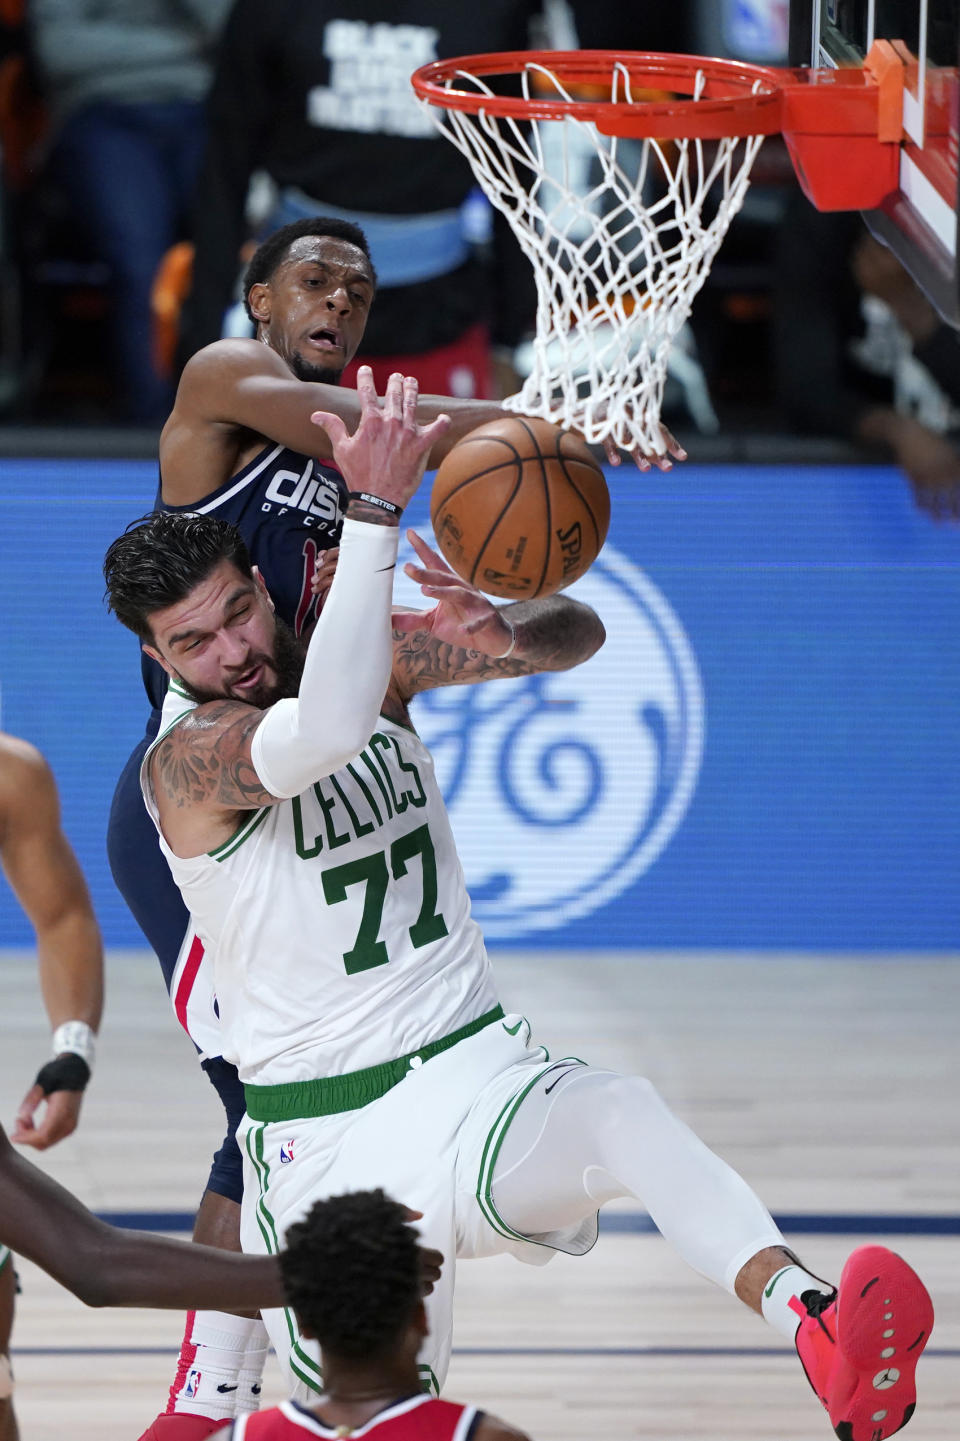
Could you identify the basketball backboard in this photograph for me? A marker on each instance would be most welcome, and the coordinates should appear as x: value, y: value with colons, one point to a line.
x: 919, y: 222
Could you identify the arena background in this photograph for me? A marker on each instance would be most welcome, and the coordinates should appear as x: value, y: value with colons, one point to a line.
x: 760, y: 758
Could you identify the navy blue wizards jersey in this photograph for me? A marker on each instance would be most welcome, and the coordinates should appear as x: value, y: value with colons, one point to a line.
x: 288, y: 508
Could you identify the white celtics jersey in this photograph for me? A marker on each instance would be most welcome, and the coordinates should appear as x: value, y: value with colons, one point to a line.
x: 339, y: 921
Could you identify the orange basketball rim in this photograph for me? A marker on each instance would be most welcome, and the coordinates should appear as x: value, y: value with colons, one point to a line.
x: 621, y: 203
x: 816, y: 111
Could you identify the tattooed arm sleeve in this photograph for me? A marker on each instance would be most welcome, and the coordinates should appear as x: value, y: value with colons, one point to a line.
x: 555, y: 633
x: 346, y: 672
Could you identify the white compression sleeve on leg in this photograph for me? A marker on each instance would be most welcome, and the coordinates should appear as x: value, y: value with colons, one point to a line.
x: 599, y: 1135
x: 346, y: 673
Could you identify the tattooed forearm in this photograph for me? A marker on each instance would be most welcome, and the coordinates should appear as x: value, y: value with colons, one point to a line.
x: 205, y: 760
x: 422, y: 662
x: 555, y: 633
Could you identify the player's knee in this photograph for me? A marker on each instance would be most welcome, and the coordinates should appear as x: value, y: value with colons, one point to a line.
x: 606, y: 1095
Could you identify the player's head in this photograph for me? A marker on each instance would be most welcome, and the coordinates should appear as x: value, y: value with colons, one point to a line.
x: 308, y: 289
x: 351, y: 1272
x: 185, y: 585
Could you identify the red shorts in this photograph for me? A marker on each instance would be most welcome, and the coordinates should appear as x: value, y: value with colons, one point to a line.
x: 461, y: 369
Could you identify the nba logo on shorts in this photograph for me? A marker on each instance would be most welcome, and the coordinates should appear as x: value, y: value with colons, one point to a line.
x: 564, y: 788
x: 193, y: 1384
x: 286, y: 1153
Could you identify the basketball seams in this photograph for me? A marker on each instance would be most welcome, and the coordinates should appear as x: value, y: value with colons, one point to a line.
x: 566, y: 462
x: 541, y: 459
x: 514, y: 454
x: 518, y: 463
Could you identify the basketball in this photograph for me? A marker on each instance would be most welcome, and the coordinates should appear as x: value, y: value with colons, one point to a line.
x: 520, y: 508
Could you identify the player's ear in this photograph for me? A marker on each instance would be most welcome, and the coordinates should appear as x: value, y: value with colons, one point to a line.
x: 155, y: 655
x: 259, y: 302
x: 263, y: 586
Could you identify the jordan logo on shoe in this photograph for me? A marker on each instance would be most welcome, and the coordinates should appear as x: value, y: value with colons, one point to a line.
x: 879, y: 1300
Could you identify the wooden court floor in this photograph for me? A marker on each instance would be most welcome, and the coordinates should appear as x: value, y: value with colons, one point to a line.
x: 831, y: 1083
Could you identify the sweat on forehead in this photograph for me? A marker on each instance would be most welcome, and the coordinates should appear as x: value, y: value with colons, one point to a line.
x: 327, y: 250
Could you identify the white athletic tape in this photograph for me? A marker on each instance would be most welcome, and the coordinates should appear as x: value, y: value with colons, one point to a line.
x: 78, y: 1037
x: 6, y: 1378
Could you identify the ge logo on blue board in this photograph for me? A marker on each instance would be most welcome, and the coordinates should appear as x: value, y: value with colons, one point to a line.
x: 564, y: 788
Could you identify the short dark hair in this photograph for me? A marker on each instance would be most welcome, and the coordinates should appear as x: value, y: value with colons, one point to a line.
x: 351, y: 1272
x: 272, y: 251
x: 160, y: 558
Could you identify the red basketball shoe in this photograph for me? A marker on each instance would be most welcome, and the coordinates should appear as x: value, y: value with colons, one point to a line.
x: 860, y: 1347
x: 181, y: 1426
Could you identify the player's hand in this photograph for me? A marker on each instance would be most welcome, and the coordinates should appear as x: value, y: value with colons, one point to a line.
x: 878, y: 271
x: 323, y: 574
x: 645, y: 459
x: 462, y: 616
x: 431, y: 1261
x: 932, y: 466
x: 431, y: 1264
x: 387, y: 453
x: 59, y: 1118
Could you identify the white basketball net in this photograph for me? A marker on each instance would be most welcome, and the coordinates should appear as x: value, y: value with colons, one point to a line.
x: 621, y: 235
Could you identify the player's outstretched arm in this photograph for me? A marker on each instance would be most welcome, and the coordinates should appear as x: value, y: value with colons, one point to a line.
x: 466, y: 415
x: 45, y: 878
x: 105, y: 1266
x: 465, y: 638
x: 245, y: 385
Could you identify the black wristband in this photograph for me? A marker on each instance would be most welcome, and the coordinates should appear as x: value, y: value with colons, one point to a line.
x: 68, y: 1072
x: 396, y: 510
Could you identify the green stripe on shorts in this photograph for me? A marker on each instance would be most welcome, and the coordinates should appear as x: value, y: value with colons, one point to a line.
x: 488, y: 1160
x: 303, y: 1366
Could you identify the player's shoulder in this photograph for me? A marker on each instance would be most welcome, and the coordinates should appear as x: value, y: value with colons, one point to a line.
x: 17, y: 754
x: 22, y: 767
x: 209, y: 387
x: 219, y: 730
x: 28, y: 794
x: 237, y: 355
